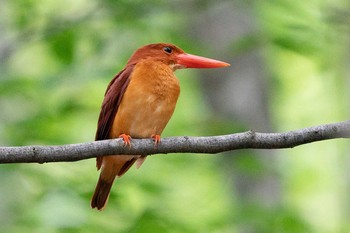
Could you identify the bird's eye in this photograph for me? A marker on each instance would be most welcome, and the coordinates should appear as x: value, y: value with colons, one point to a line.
x: 167, y: 50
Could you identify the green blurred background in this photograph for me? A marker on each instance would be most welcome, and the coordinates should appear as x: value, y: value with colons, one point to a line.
x: 290, y: 69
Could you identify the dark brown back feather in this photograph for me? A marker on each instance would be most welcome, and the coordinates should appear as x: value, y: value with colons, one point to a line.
x: 110, y: 104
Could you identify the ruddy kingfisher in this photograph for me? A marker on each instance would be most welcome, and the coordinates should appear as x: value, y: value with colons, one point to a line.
x: 138, y: 103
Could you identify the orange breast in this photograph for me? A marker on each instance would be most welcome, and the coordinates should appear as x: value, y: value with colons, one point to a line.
x: 148, y: 102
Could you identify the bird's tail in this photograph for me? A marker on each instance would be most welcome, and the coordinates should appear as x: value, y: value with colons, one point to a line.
x: 112, y: 166
x: 101, y: 194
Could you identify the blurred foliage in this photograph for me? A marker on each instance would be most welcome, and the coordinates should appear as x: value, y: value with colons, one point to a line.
x: 56, y: 59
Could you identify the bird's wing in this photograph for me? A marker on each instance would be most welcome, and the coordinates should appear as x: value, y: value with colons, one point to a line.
x: 111, y: 102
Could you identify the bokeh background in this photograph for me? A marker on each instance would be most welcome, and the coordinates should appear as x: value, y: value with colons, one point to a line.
x: 290, y: 69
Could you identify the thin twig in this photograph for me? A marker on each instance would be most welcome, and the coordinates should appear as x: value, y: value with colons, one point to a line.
x: 184, y: 144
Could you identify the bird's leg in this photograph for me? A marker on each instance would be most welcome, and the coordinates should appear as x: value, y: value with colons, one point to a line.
x: 156, y: 138
x: 126, y: 138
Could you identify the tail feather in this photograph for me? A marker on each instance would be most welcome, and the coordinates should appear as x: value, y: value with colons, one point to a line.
x: 101, y: 194
x: 111, y: 167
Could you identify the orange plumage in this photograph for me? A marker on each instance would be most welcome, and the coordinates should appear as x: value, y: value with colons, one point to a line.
x: 139, y: 102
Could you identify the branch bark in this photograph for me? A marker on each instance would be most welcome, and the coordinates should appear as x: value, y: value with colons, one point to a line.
x: 183, y: 144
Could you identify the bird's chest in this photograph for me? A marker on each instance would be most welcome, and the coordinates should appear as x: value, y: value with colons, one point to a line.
x: 148, y: 103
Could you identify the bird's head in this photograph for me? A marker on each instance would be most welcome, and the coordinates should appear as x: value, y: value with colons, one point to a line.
x: 173, y: 56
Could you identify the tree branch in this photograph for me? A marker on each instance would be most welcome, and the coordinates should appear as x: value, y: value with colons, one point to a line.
x: 184, y: 144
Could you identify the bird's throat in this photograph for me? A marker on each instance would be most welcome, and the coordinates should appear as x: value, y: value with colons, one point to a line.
x: 149, y: 101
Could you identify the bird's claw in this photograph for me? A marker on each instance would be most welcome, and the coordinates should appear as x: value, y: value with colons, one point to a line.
x: 156, y: 139
x: 126, y: 138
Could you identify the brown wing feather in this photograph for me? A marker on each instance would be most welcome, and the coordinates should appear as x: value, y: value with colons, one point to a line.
x: 110, y: 104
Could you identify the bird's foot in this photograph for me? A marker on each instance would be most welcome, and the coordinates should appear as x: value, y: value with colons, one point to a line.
x: 156, y: 139
x: 126, y: 138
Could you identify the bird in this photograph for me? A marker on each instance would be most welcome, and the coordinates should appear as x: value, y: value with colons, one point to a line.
x: 138, y: 103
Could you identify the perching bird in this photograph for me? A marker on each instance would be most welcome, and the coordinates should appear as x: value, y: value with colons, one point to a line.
x: 138, y: 103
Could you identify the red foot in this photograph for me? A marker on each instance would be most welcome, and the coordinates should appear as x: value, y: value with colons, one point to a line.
x: 126, y: 138
x: 156, y: 138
